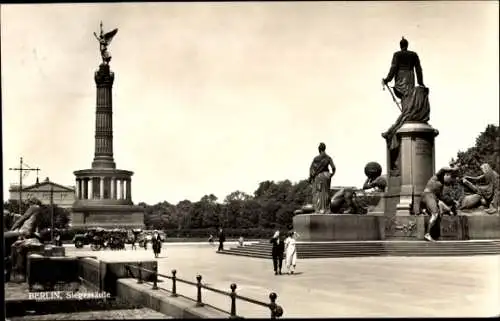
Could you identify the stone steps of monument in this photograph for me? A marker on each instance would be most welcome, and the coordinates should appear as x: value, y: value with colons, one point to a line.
x: 380, y: 250
x: 357, y: 254
x: 392, y: 248
x: 366, y: 254
x: 441, y: 244
x: 427, y: 248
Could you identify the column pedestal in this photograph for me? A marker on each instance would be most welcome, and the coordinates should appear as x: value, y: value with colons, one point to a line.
x: 417, y: 164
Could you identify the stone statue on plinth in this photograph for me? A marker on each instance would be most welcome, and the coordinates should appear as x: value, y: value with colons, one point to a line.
x: 484, y: 193
x: 350, y: 200
x: 414, y: 105
x: 346, y: 201
x: 320, y: 178
x: 22, y: 237
x: 433, y: 194
x: 375, y: 181
x: 104, y: 41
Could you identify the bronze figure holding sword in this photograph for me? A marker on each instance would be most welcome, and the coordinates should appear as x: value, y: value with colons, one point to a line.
x: 414, y: 103
x: 384, y: 85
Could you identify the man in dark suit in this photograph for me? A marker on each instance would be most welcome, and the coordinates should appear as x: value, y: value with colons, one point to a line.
x: 277, y: 252
x: 222, y: 239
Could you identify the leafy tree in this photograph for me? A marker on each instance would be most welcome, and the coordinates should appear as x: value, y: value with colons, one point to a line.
x: 184, y: 209
x: 272, y: 205
x: 486, y: 150
x: 209, y: 211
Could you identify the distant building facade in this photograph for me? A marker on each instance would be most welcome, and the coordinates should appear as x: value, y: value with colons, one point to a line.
x: 63, y: 196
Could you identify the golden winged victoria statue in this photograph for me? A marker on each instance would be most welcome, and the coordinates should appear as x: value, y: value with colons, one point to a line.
x: 104, y: 41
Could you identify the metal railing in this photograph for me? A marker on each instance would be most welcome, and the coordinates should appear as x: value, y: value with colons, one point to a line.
x: 275, y: 309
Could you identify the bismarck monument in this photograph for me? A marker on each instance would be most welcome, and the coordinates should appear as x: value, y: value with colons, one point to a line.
x: 104, y: 193
x: 410, y: 201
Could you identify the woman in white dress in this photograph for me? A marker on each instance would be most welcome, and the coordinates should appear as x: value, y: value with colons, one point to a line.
x: 291, y: 252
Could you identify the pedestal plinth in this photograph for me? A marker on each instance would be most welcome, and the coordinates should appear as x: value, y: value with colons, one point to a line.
x: 459, y: 228
x: 338, y: 227
x: 107, y: 216
x: 417, y: 164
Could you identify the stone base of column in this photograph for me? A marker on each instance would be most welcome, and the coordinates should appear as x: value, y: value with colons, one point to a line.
x: 417, y: 161
x: 107, y: 216
x: 104, y: 162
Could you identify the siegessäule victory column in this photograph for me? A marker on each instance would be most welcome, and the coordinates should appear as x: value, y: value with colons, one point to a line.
x: 103, y: 192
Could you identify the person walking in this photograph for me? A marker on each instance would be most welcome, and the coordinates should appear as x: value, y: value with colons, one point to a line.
x: 222, y: 239
x: 291, y: 252
x: 156, y: 243
x: 277, y: 251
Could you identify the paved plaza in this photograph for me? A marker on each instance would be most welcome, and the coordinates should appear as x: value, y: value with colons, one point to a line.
x: 336, y: 287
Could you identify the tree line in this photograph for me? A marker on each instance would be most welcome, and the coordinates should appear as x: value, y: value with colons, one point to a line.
x: 271, y: 206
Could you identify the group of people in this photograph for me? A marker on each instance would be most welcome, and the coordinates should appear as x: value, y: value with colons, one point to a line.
x: 284, y: 246
x: 156, y: 241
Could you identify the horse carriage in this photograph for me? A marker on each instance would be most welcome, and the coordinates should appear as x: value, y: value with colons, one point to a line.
x: 100, y: 238
x: 117, y: 238
x: 82, y: 239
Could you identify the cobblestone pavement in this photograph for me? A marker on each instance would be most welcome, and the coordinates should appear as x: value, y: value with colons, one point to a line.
x: 131, y: 314
x: 336, y: 287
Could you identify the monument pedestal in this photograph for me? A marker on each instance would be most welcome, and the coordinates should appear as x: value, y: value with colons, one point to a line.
x: 417, y: 164
x: 355, y: 227
x: 458, y: 228
x: 107, y: 216
x: 338, y: 227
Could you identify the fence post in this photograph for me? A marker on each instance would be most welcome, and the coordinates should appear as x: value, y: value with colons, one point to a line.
x: 233, y: 300
x: 276, y: 310
x: 155, y: 277
x: 199, y: 303
x: 139, y: 273
x: 174, y: 286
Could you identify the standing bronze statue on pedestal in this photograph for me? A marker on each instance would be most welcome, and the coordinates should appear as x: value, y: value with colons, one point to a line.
x: 414, y: 105
x: 320, y: 176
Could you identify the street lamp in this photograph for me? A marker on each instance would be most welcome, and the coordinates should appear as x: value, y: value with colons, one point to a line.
x: 52, y: 214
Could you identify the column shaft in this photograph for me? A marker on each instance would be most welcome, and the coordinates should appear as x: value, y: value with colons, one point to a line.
x: 129, y: 189
x: 91, y: 188
x: 85, y: 188
x: 101, y: 191
x: 112, y: 188
x: 122, y: 189
x: 77, y: 189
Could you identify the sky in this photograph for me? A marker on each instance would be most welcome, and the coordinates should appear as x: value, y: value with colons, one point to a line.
x: 217, y: 97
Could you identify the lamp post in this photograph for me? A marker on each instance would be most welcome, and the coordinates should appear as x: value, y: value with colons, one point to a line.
x: 52, y: 214
x: 22, y: 169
